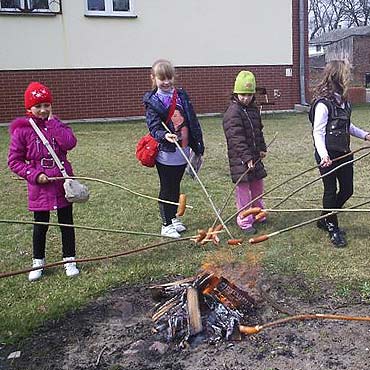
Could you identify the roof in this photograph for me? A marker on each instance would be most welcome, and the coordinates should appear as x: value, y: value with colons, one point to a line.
x: 340, y: 34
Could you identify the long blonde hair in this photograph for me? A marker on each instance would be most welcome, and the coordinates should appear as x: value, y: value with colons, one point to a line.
x: 336, y: 78
x: 162, y: 69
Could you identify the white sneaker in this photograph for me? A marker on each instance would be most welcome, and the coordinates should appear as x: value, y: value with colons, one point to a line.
x: 36, y: 274
x: 178, y: 225
x: 170, y: 231
x: 71, y: 269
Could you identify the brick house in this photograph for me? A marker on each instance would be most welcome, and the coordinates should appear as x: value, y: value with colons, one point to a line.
x: 352, y: 44
x: 96, y: 55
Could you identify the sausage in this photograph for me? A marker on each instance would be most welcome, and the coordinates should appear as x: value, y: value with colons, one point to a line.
x: 208, y: 237
x: 235, y: 241
x: 201, y: 235
x: 260, y: 215
x: 215, y: 238
x: 250, y: 211
x: 182, y: 205
x: 250, y: 330
x: 258, y: 239
x: 219, y: 227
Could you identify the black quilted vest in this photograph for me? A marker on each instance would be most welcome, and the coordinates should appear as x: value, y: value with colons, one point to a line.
x: 337, y: 138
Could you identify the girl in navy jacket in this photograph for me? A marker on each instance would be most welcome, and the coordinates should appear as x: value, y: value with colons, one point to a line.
x: 185, y: 129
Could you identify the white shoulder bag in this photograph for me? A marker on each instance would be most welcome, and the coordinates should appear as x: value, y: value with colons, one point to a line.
x: 75, y: 191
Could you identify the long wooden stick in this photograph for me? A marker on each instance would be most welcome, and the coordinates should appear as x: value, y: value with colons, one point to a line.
x: 319, y: 178
x: 293, y: 210
x: 118, y: 186
x: 239, y: 180
x: 89, y: 259
x: 315, y: 199
x: 200, y: 183
x: 94, y: 259
x: 262, y: 238
x: 290, y: 179
x: 250, y: 330
x: 82, y: 227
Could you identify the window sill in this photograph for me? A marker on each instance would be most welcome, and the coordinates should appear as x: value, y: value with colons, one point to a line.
x: 111, y: 15
x: 32, y: 14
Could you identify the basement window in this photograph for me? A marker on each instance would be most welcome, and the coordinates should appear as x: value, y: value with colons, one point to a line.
x: 25, y: 7
x: 110, y: 8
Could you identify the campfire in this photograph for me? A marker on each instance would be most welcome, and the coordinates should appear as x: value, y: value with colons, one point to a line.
x: 207, y: 307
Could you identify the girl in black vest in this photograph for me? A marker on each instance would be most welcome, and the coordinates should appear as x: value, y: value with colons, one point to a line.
x: 330, y: 115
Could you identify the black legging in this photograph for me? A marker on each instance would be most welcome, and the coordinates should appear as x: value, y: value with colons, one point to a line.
x: 344, y: 176
x: 170, y: 178
x: 65, y: 216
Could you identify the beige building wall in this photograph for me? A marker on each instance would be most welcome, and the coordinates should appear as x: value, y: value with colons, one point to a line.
x: 191, y: 32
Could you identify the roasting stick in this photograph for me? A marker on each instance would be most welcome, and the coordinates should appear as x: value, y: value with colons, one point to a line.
x: 118, y: 186
x: 319, y: 178
x: 262, y: 238
x: 238, y: 181
x: 314, y: 199
x: 290, y: 179
x: 118, y: 231
x: 250, y: 330
x: 98, y: 258
x: 200, y: 183
x: 256, y: 210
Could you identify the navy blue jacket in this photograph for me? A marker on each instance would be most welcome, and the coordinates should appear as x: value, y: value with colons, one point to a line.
x: 156, y: 113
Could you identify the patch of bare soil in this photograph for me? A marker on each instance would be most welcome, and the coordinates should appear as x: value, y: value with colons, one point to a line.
x: 115, y: 332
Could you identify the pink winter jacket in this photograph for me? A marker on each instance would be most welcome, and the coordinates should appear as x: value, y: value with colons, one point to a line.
x: 26, y: 151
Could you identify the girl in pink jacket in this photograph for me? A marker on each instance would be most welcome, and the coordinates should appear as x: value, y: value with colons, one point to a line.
x: 29, y: 158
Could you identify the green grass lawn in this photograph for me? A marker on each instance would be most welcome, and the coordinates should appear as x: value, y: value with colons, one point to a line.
x: 106, y: 151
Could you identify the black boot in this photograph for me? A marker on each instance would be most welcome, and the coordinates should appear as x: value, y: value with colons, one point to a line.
x: 323, y: 225
x: 336, y: 235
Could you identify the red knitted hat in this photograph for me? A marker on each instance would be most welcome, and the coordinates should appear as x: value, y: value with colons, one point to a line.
x: 36, y: 93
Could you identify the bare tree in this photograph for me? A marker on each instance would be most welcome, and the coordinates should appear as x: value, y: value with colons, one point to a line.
x: 328, y: 15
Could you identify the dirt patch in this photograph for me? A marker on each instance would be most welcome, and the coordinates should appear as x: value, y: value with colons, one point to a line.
x: 115, y: 332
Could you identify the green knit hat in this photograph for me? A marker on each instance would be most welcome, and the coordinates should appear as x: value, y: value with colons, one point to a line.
x: 245, y: 83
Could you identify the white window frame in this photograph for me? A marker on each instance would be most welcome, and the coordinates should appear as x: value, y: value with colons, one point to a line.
x: 108, y: 12
x: 35, y: 11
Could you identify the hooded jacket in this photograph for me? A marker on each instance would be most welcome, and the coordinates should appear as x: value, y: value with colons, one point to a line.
x: 156, y: 113
x: 25, y: 158
x: 243, y: 131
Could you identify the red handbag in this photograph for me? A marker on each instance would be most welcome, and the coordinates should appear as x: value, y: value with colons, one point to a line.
x: 147, y: 147
x: 147, y: 150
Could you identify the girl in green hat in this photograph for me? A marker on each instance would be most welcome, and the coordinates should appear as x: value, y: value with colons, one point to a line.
x: 245, y: 145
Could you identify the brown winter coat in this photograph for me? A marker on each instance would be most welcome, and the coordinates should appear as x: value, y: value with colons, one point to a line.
x: 244, y: 136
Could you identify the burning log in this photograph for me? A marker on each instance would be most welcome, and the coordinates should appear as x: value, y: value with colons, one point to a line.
x: 169, y: 289
x: 229, y: 294
x: 207, y: 305
x: 194, y: 317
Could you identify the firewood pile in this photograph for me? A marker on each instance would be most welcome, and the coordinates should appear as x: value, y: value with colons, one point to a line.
x: 203, y: 308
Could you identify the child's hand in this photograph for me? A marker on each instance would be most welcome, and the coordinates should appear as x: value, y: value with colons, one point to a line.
x: 172, y: 138
x: 326, y: 162
x: 250, y: 164
x: 367, y: 137
x: 263, y: 155
x: 42, y: 179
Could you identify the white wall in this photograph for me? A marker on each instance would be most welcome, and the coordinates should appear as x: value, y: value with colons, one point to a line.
x: 312, y: 50
x: 188, y: 32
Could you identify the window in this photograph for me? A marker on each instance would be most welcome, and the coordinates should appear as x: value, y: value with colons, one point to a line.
x: 31, y: 6
x: 110, y: 8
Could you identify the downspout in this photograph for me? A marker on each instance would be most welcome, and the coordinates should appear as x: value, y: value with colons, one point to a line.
x: 302, y: 52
